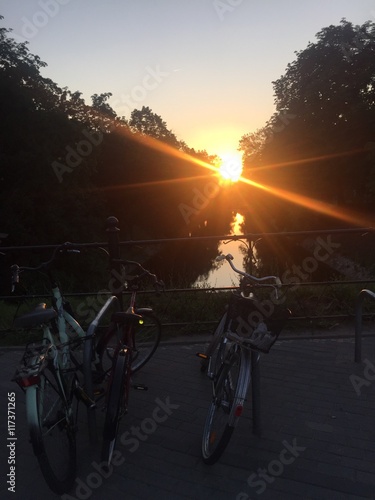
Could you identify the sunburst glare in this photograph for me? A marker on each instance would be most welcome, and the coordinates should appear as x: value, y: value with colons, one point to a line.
x: 230, y: 170
x: 230, y: 166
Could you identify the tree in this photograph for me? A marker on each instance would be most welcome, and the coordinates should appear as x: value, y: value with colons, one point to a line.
x: 66, y: 166
x: 316, y: 144
x: 148, y: 123
x: 39, y: 122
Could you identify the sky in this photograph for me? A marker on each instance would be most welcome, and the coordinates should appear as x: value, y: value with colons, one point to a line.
x: 205, y: 66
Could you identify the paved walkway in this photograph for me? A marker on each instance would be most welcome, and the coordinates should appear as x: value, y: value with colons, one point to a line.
x: 318, y: 440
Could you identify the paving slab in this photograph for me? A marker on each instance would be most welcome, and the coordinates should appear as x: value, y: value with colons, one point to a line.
x: 317, y: 441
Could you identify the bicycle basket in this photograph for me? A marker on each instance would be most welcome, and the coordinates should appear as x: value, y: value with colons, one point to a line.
x: 255, y: 323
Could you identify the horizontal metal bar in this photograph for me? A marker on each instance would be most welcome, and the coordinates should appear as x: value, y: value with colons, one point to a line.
x: 187, y: 290
x: 248, y: 236
x: 291, y: 319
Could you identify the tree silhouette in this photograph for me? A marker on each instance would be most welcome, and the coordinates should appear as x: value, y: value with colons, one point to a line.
x: 67, y: 165
x: 317, y: 143
x: 148, y: 123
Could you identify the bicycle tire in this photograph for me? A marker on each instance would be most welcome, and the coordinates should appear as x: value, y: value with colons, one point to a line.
x: 230, y: 387
x: 87, y: 368
x: 212, y: 347
x: 116, y: 403
x: 50, y: 420
x: 147, y: 337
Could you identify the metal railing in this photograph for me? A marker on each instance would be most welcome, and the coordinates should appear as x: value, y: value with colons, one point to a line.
x: 113, y: 244
x: 358, y: 322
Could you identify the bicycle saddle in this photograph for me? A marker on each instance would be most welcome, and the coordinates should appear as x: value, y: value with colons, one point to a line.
x: 38, y: 316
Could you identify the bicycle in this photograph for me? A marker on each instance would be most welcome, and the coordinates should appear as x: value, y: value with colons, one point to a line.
x: 49, y: 375
x: 131, y: 340
x: 69, y: 365
x: 245, y: 327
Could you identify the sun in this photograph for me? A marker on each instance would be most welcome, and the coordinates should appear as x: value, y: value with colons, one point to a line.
x: 230, y: 166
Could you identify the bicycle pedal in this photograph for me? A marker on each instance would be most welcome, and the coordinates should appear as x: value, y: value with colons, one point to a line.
x: 82, y: 396
x: 202, y: 355
x: 99, y: 391
x: 140, y: 387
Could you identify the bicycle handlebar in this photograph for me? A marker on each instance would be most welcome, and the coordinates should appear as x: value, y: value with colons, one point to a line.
x: 158, y: 284
x: 229, y: 258
x: 16, y: 269
x: 74, y: 248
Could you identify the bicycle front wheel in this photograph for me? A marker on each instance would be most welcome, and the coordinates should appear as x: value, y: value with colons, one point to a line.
x: 229, y: 393
x: 213, y: 347
x: 116, y: 403
x: 52, y: 432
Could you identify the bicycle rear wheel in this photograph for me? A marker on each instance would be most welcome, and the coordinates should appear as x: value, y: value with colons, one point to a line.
x: 147, y: 334
x: 116, y: 404
x: 229, y: 393
x: 51, y: 424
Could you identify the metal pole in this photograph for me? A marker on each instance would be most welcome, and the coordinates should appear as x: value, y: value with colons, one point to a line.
x: 255, y: 387
x: 358, y: 322
x: 115, y: 284
x: 358, y: 328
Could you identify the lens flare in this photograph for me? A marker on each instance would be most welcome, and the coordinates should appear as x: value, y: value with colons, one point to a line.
x: 230, y: 167
x: 231, y: 170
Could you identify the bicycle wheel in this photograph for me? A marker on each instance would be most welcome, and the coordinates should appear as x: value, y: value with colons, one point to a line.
x: 116, y: 404
x: 147, y: 334
x: 229, y: 393
x: 212, y: 348
x: 51, y: 423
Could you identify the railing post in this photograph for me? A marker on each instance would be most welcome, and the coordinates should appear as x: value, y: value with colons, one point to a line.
x: 115, y: 283
x: 255, y: 388
x: 358, y: 322
x: 358, y: 328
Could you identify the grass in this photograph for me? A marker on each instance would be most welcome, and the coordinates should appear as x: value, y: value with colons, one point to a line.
x: 197, y: 312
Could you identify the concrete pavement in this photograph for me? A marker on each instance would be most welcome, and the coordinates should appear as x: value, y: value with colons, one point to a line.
x: 318, y: 439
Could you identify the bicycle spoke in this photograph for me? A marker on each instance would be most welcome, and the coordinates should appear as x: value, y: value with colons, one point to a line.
x: 219, y: 423
x: 50, y: 420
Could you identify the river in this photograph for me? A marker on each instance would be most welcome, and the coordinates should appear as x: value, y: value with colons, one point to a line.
x: 224, y: 275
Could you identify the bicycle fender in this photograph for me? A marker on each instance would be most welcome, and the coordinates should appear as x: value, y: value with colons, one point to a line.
x: 32, y: 415
x: 243, y: 386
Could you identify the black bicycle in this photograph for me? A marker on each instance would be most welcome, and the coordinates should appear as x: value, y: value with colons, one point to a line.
x: 246, y: 325
x: 130, y: 341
